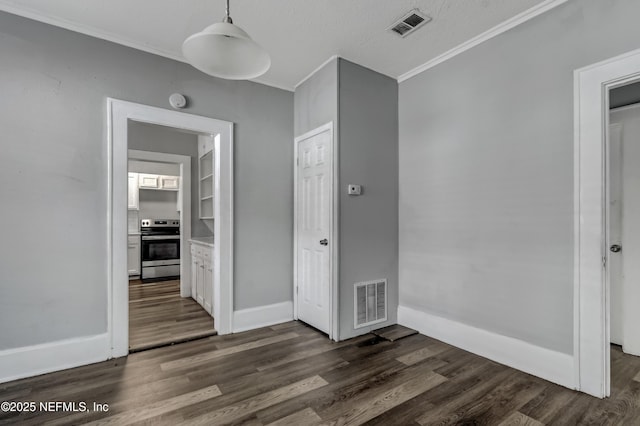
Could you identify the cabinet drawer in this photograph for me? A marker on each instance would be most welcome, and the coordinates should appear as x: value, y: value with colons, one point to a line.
x: 133, y: 239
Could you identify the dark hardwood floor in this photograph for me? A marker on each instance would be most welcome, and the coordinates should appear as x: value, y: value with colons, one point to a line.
x: 291, y: 374
x: 158, y: 316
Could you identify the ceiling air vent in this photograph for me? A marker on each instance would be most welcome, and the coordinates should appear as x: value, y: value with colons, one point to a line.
x: 409, y: 23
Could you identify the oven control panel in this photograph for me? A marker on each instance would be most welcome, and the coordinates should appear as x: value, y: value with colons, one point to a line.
x: 153, y: 223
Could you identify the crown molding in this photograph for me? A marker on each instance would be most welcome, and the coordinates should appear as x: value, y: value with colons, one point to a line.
x: 318, y: 68
x: 525, y: 16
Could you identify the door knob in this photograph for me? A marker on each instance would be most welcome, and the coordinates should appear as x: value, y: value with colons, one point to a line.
x: 615, y: 248
x: 324, y: 242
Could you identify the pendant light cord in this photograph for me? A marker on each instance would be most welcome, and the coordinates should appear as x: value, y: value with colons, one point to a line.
x: 227, y: 17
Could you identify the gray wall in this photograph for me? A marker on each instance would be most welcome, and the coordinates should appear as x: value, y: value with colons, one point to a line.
x: 368, y: 132
x: 147, y: 137
x: 486, y: 174
x: 364, y: 108
x: 316, y: 100
x: 625, y: 95
x: 53, y: 175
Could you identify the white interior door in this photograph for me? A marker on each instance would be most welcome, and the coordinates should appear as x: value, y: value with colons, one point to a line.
x: 314, y: 197
x: 614, y: 259
x: 624, y: 266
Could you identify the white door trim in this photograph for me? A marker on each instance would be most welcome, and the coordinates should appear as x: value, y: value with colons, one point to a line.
x: 591, y: 292
x: 119, y: 113
x: 334, y: 245
x: 185, y: 208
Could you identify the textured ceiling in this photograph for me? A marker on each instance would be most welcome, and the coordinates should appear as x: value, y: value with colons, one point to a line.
x: 299, y: 34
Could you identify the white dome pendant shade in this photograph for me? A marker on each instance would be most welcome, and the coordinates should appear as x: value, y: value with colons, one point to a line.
x: 225, y: 50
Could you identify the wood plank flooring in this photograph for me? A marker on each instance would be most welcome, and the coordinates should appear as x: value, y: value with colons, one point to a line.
x: 291, y: 374
x: 158, y: 316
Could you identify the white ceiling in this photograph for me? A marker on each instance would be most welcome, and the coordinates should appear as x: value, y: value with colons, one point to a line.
x: 299, y: 34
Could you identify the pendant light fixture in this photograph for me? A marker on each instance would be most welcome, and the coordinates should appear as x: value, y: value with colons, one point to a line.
x: 225, y: 50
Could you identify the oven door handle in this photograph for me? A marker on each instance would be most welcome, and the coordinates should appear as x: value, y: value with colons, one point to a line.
x: 160, y: 237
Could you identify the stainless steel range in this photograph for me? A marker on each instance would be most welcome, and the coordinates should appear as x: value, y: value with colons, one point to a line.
x: 160, y: 249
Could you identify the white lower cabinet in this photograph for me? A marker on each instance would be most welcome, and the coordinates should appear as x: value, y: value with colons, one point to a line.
x: 202, y: 275
x: 208, y: 289
x: 133, y: 254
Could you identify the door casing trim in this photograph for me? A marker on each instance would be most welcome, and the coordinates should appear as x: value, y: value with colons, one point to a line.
x: 119, y: 113
x: 591, y: 290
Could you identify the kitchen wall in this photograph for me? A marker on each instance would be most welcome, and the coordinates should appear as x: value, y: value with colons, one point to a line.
x: 53, y: 176
x: 156, y: 204
x: 149, y: 137
x: 486, y: 174
x: 151, y: 167
x: 363, y: 107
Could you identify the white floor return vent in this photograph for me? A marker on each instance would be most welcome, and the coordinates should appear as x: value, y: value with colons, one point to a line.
x: 369, y: 303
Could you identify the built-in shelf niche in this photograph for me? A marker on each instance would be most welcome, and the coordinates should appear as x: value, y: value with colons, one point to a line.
x: 206, y: 176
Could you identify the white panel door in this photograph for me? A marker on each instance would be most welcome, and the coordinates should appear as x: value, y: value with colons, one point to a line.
x: 630, y: 141
x: 614, y: 260
x: 624, y: 228
x: 313, y: 210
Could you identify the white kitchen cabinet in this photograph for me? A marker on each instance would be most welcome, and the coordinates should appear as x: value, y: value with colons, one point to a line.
x: 202, y: 275
x: 208, y: 289
x: 161, y: 182
x: 133, y: 192
x: 147, y: 181
x: 133, y: 255
x: 170, y: 182
x: 195, y: 265
x: 200, y: 283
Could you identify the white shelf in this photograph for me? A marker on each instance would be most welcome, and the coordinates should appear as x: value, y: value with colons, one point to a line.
x: 206, y: 178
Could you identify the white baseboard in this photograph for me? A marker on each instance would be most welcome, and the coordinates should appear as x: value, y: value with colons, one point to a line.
x: 550, y: 365
x: 262, y: 316
x: 40, y: 359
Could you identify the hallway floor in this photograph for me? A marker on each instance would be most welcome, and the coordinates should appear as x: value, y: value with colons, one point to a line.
x: 158, y: 316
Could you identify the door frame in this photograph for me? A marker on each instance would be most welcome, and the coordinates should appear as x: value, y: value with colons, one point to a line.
x: 591, y: 289
x: 334, y: 246
x: 185, y: 207
x: 119, y: 113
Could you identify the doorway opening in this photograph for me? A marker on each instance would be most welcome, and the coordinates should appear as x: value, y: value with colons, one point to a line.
x: 162, y: 308
x: 594, y: 236
x: 121, y: 117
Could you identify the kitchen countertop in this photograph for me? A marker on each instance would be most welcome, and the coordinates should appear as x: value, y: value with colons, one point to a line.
x: 206, y: 241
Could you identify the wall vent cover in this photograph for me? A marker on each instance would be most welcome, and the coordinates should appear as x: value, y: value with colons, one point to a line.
x: 409, y: 23
x: 369, y: 303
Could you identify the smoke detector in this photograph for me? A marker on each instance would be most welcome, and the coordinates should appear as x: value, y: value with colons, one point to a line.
x: 409, y: 23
